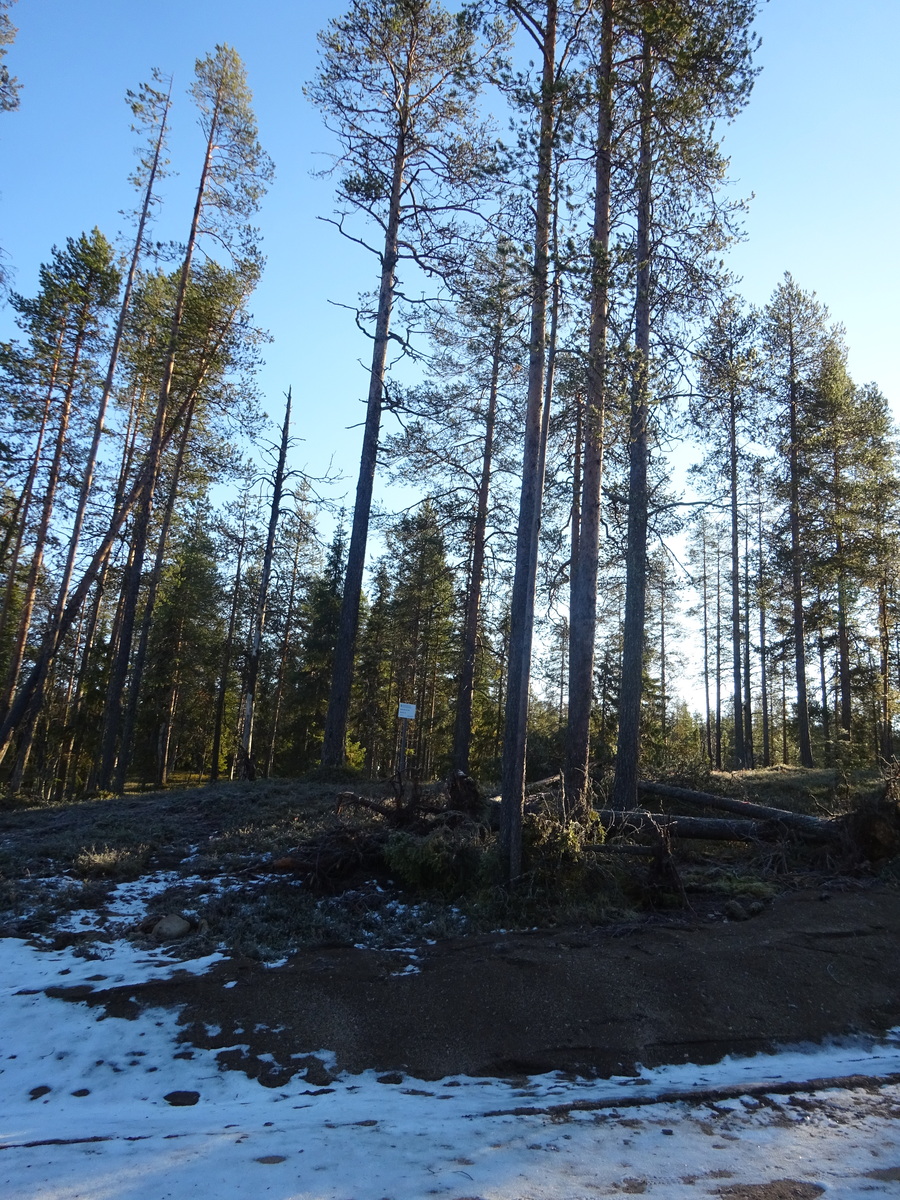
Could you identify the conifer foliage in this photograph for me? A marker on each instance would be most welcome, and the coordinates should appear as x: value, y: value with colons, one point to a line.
x: 175, y: 605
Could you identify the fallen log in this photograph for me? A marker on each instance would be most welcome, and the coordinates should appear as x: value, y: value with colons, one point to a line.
x: 617, y: 821
x: 819, y: 828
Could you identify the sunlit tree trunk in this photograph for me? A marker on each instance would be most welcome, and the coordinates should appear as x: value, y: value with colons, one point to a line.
x: 525, y: 575
x: 585, y: 565
x: 624, y: 793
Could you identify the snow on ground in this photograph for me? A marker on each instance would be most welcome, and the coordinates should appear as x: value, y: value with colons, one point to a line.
x: 83, y: 1115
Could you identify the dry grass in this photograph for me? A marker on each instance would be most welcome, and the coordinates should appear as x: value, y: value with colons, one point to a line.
x: 220, y: 840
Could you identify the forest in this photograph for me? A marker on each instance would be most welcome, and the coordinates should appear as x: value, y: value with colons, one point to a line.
x: 619, y: 464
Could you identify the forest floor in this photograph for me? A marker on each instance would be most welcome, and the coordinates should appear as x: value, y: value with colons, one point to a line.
x: 380, y: 999
x: 768, y: 947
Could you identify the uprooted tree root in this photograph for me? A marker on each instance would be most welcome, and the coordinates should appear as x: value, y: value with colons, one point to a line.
x: 411, y: 837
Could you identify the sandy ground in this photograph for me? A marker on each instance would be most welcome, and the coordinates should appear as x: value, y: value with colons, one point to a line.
x: 508, y: 1067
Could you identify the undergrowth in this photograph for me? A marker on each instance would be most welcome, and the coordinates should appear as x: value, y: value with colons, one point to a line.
x: 436, y: 878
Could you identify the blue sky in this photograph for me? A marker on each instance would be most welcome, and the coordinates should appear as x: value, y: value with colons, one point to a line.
x: 817, y: 145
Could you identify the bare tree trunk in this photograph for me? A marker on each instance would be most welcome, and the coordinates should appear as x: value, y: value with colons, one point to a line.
x: 709, y: 748
x: 823, y: 686
x: 575, y: 507
x: 662, y: 659
x: 525, y: 575
x: 884, y: 637
x: 462, y: 730
x: 748, y: 709
x: 335, y: 733
x: 763, y: 663
x: 282, y: 662
x: 806, y: 757
x: 247, y: 768
x: 583, y: 604
x: 718, y: 655
x: 740, y: 754
x: 624, y: 793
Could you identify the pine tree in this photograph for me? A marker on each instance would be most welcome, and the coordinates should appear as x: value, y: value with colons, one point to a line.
x: 725, y: 411
x: 793, y: 329
x: 233, y: 178
x: 693, y: 67
x: 54, y: 376
x: 9, y: 85
x: 398, y: 83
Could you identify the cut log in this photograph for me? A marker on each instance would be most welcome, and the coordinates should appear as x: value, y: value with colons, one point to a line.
x: 816, y: 827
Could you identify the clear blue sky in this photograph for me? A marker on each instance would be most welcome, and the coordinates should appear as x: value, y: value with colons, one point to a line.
x: 818, y: 145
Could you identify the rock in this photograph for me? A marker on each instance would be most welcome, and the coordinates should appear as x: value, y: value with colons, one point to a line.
x: 181, y: 1099
x: 37, y: 1092
x: 172, y: 925
x: 317, y: 1074
x: 735, y: 911
x: 391, y: 1077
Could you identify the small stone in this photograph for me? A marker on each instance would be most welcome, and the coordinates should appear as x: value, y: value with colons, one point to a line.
x: 269, y: 1159
x: 37, y: 1092
x: 735, y: 911
x: 181, y: 1099
x: 391, y: 1077
x: 82, y: 1092
x: 172, y: 925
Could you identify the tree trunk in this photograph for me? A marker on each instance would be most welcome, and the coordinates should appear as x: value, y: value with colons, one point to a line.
x: 53, y: 475
x: 748, y: 709
x: 282, y: 661
x: 823, y: 687
x: 806, y: 757
x: 100, y: 419
x: 583, y: 603
x: 718, y: 758
x: 709, y: 748
x: 23, y: 707
x: 335, y: 734
x: 24, y: 508
x: 140, y: 657
x: 247, y: 766
x: 744, y: 808
x: 740, y: 755
x: 763, y: 663
x: 531, y: 496
x: 462, y: 729
x: 26, y: 729
x: 113, y: 710
x: 628, y: 749
x: 226, y: 666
